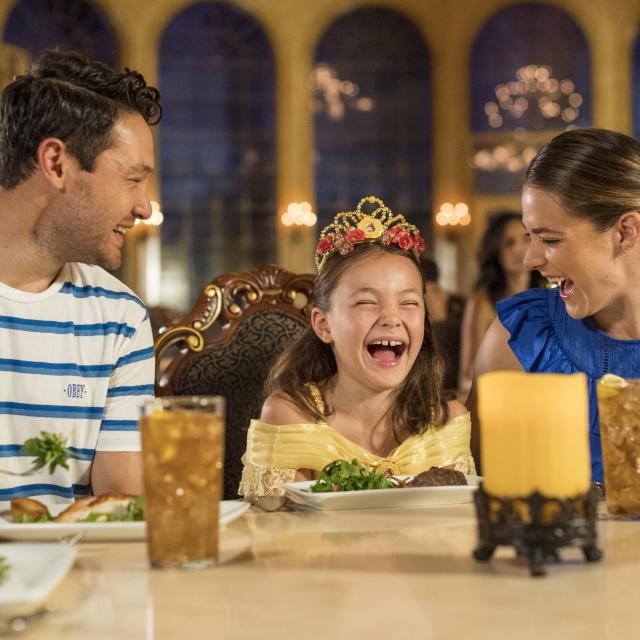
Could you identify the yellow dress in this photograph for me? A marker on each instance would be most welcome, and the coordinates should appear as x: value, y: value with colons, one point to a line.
x: 275, y: 452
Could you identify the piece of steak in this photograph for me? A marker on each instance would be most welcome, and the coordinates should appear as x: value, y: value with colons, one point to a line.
x: 437, y: 477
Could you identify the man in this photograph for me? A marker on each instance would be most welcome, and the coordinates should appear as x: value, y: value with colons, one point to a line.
x: 76, y: 354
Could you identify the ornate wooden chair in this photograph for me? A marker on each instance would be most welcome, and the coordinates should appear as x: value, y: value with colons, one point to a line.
x: 227, y: 344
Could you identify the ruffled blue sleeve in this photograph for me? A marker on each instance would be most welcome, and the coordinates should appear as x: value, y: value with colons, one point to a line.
x: 528, y: 317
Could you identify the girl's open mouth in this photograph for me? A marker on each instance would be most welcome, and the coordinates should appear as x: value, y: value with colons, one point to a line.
x: 386, y: 352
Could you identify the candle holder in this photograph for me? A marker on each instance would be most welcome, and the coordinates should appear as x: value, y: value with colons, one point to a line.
x: 537, y: 526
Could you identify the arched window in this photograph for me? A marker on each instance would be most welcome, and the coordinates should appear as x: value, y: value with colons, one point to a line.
x: 372, y: 95
x: 216, y: 148
x: 530, y: 79
x: 79, y: 25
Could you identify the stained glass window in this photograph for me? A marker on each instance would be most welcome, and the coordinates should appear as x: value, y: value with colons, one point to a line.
x: 79, y: 25
x: 216, y: 148
x: 530, y: 79
x: 372, y: 95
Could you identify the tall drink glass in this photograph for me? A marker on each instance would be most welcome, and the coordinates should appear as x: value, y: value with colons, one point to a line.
x: 619, y: 408
x: 183, y: 453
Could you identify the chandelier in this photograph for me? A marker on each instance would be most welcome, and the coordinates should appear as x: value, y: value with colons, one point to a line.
x: 334, y: 96
x: 534, y: 100
x: 535, y: 97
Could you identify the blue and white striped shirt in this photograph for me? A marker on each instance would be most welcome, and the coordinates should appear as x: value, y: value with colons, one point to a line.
x: 77, y: 360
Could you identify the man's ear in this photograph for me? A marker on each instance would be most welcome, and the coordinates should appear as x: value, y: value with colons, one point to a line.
x: 53, y: 161
x: 628, y: 227
x: 320, y: 325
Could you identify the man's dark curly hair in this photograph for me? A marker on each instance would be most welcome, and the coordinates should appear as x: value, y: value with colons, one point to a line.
x: 67, y: 96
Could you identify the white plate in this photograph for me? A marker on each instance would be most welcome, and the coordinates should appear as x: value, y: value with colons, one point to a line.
x: 99, y: 531
x: 34, y: 571
x: 383, y: 498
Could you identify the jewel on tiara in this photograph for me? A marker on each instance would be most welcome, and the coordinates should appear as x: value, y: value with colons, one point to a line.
x: 381, y: 225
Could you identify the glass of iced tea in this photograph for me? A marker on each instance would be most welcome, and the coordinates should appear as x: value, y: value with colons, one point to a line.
x: 183, y: 453
x: 619, y: 408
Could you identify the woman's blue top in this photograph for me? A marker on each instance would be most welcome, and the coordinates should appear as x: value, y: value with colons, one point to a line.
x: 546, y: 339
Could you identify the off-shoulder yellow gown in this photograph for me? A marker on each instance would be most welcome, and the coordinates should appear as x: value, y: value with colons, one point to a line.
x: 275, y: 452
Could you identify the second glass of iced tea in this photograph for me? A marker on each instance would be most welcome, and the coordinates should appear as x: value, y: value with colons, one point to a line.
x: 619, y: 407
x: 183, y: 453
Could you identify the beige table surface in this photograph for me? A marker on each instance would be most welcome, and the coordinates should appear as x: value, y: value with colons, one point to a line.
x: 388, y: 574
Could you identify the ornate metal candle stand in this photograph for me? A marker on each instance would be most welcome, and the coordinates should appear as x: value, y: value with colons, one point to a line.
x: 536, y: 526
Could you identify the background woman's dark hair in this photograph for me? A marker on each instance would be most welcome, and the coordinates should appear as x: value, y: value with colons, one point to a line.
x: 420, y: 400
x: 65, y: 95
x: 493, y: 278
x: 594, y: 174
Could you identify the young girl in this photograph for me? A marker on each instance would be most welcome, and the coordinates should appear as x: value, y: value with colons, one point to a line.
x: 365, y: 381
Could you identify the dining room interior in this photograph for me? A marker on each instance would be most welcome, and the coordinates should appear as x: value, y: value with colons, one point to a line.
x: 276, y: 116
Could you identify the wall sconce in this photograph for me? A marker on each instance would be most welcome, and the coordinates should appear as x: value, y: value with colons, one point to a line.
x: 450, y: 214
x: 156, y: 217
x: 298, y: 214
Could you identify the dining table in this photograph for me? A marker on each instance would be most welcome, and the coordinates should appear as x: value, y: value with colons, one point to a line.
x: 361, y: 573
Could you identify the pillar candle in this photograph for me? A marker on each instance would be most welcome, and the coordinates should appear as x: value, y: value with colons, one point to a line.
x: 534, y: 433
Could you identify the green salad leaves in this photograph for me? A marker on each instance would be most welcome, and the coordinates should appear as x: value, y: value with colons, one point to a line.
x: 341, y: 475
x: 48, y: 449
x: 135, y: 513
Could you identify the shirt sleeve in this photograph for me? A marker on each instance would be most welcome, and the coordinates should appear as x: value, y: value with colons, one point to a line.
x: 131, y: 382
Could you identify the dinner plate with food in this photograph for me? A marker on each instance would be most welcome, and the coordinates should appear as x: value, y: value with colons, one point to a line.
x: 107, y: 518
x: 347, y: 485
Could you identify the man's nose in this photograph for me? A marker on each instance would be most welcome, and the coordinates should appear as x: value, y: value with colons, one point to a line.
x: 142, y: 210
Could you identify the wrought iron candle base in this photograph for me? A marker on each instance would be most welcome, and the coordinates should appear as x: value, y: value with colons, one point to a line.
x: 536, y: 526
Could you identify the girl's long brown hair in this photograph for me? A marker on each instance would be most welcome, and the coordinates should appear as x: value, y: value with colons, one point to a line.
x: 418, y: 402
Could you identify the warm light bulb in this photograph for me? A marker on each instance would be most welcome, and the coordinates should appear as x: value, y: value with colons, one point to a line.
x: 286, y: 219
x: 446, y: 207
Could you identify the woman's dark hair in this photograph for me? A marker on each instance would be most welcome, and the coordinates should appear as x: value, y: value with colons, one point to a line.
x: 66, y: 96
x: 594, y: 174
x: 419, y: 401
x: 493, y: 278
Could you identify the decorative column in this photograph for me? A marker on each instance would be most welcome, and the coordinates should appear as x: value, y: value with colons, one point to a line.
x: 294, y: 143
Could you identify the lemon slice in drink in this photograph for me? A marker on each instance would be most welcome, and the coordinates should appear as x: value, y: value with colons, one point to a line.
x: 609, y: 385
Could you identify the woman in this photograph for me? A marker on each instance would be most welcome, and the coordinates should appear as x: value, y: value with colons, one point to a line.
x: 580, y: 203
x: 502, y: 274
x: 365, y: 381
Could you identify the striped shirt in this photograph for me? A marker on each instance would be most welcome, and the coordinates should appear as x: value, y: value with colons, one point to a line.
x: 76, y: 360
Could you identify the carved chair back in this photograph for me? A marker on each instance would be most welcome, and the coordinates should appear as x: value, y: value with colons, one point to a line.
x: 227, y: 345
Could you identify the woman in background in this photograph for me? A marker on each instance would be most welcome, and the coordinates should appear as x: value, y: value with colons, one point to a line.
x: 502, y: 274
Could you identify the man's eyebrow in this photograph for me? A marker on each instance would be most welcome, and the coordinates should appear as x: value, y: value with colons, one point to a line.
x: 145, y: 168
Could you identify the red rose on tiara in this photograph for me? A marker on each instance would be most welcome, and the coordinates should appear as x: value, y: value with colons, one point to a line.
x: 325, y: 245
x: 389, y: 236
x: 342, y: 244
x: 355, y: 235
x: 419, y: 243
x: 404, y: 240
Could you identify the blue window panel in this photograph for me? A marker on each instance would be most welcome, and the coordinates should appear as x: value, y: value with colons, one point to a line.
x: 36, y: 25
x: 385, y: 151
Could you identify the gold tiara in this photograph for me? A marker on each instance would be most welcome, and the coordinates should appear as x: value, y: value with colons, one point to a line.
x: 350, y: 228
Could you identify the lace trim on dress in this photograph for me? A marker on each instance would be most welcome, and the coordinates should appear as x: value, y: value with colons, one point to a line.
x: 466, y: 465
x: 260, y: 481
